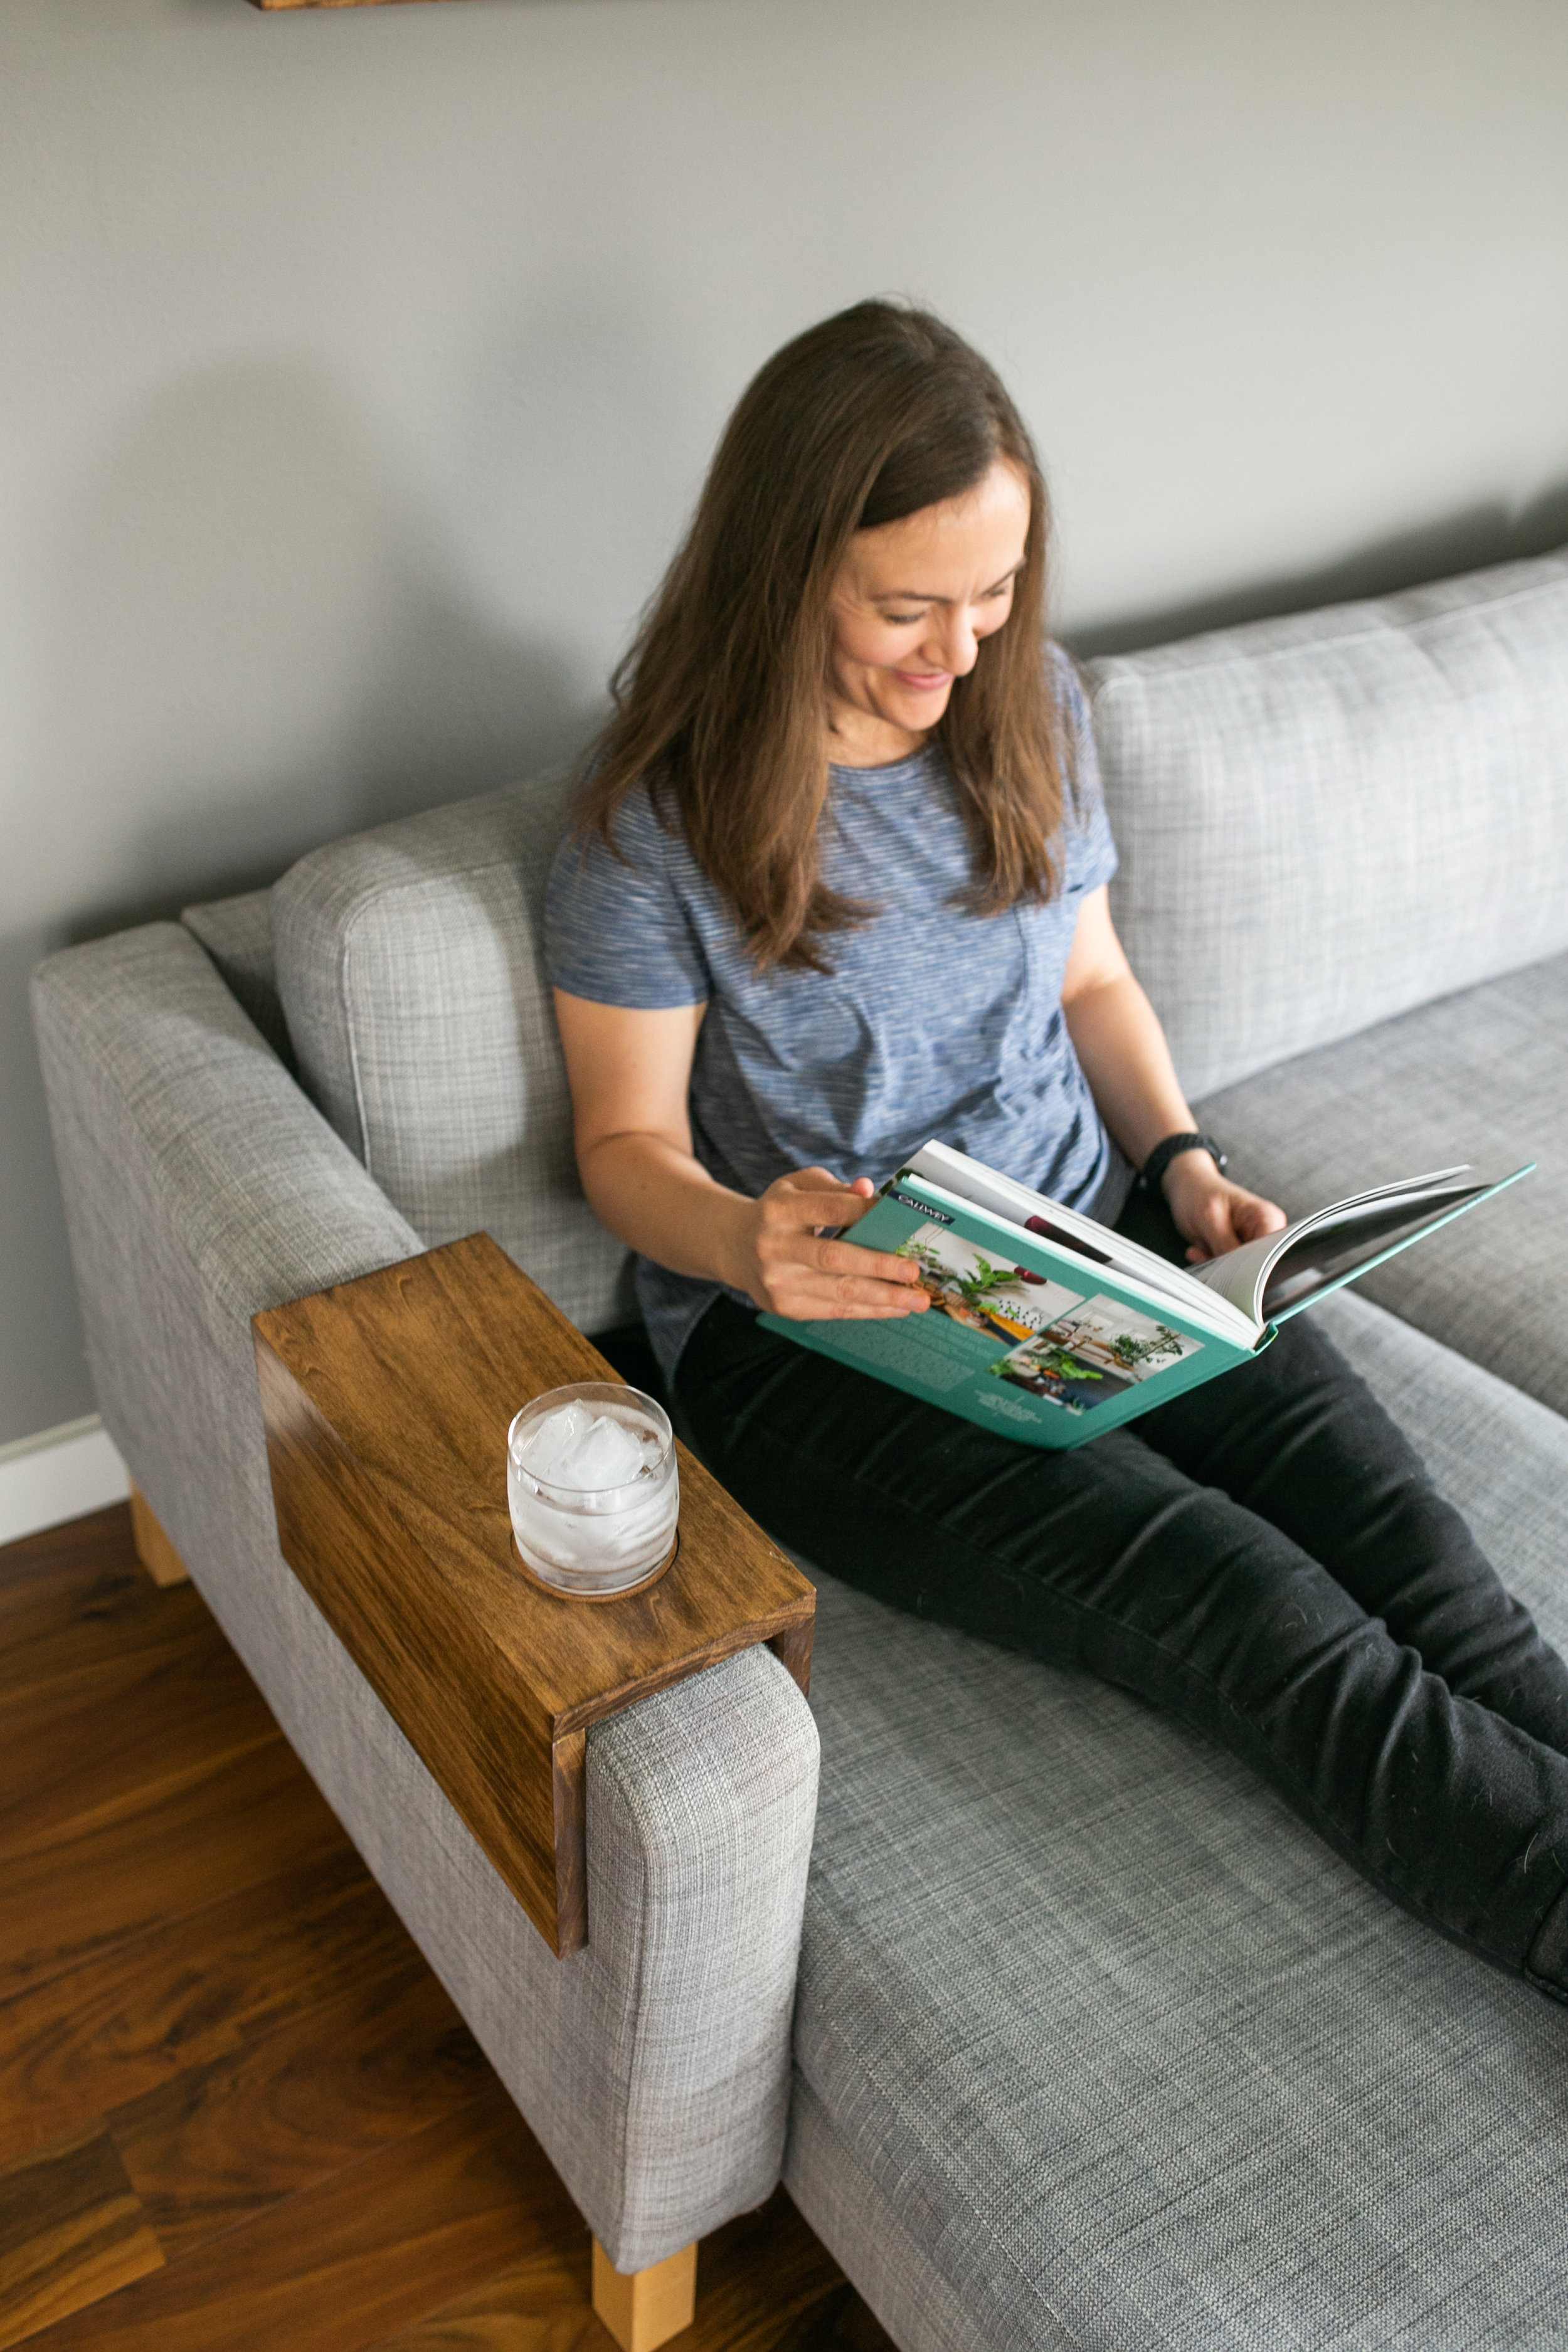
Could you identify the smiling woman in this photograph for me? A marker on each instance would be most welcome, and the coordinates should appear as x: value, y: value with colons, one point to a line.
x: 897, y: 651
x: 837, y: 886
x: 874, y: 513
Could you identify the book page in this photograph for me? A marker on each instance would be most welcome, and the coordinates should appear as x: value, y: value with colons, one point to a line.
x: 1339, y: 1245
x: 1020, y: 1334
x: 1003, y: 1197
x: 1263, y: 1277
x: 1253, y: 1285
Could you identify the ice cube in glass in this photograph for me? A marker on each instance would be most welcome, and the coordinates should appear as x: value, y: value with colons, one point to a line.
x: 592, y: 1486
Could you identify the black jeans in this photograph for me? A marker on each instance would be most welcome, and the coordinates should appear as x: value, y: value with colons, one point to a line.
x: 1265, y: 1558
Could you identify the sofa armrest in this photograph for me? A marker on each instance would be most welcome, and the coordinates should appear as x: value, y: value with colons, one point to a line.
x: 201, y: 1186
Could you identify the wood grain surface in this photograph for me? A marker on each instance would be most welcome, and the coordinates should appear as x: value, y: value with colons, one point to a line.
x: 71, y: 2230
x: 237, y: 2109
x: 387, y: 1402
x: 332, y: 2085
x: 367, y: 2250
x: 85, y: 1601
x: 188, y: 1991
x: 325, y: 4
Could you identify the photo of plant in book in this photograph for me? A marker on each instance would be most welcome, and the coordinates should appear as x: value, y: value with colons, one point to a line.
x: 1096, y: 1351
x: 985, y: 1293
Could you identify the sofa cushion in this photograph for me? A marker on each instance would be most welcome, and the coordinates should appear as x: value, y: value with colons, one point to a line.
x: 1329, y: 819
x: 1483, y: 1077
x: 1127, y: 2056
x: 238, y: 935
x: 409, y: 969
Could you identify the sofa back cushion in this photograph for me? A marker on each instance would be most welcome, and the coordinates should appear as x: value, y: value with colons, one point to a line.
x: 1326, y: 820
x: 238, y: 934
x: 409, y: 966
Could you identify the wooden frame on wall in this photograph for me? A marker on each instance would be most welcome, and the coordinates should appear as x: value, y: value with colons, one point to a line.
x: 324, y: 4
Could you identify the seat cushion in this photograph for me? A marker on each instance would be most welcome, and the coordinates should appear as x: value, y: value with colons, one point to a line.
x: 1481, y: 1076
x: 1122, y: 2054
x: 1326, y: 820
x: 409, y: 968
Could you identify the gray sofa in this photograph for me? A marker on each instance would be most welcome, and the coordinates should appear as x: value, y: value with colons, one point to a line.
x: 1060, y: 2028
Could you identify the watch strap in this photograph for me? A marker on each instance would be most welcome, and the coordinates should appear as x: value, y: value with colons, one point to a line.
x: 1172, y: 1147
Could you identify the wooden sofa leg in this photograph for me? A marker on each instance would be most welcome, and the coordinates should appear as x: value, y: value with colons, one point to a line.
x: 153, y: 1549
x: 643, y: 2309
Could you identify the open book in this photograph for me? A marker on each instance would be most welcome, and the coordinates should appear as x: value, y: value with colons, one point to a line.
x: 1052, y: 1328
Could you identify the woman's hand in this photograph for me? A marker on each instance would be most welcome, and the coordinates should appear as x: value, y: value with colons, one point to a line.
x: 784, y: 1264
x: 1212, y: 1214
x: 630, y: 1073
x: 1123, y: 1054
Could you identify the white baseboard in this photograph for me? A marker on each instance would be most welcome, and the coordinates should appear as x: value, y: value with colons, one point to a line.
x: 56, y: 1476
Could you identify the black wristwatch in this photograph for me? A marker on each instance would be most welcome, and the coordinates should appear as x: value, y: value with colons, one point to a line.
x: 1173, y: 1147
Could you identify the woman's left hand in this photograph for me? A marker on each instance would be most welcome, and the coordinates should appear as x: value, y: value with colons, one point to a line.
x: 1211, y: 1212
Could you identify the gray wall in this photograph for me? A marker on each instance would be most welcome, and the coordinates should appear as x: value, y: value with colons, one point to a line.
x: 359, y: 368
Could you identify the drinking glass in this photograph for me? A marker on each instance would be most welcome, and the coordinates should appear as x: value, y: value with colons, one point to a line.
x: 588, y: 1539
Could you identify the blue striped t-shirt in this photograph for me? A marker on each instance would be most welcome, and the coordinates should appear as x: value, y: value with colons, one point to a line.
x: 933, y: 1022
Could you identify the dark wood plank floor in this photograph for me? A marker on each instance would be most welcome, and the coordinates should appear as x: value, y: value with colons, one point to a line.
x: 238, y: 2112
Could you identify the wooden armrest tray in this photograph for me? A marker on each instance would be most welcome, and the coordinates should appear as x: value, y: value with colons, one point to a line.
x: 387, y: 1402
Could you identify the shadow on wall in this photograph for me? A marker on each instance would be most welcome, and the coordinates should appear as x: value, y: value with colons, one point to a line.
x: 262, y: 644
x: 257, y: 643
x: 43, y: 1363
x: 1465, y: 542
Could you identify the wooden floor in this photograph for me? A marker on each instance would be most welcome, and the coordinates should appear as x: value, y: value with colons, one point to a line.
x: 238, y: 2112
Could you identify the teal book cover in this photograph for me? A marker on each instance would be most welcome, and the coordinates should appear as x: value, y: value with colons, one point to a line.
x: 1020, y: 1335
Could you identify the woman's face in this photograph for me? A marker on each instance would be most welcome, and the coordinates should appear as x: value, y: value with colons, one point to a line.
x: 910, y: 605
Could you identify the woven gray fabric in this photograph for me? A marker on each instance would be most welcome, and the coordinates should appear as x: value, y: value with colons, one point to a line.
x: 1326, y: 820
x: 201, y: 1186
x: 894, y: 2272
x: 1128, y: 2057
x: 1481, y: 1077
x: 409, y: 967
x: 238, y: 935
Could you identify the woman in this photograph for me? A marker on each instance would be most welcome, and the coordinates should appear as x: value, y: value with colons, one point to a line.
x: 839, y: 885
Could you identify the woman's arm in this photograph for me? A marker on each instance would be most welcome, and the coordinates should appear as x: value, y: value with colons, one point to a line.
x: 1131, y: 1076
x: 630, y: 1073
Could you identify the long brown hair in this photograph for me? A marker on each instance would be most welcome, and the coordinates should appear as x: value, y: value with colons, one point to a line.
x: 721, y: 700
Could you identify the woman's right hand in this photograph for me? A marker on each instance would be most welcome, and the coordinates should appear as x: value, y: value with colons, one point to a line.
x: 787, y: 1266
x: 630, y: 1073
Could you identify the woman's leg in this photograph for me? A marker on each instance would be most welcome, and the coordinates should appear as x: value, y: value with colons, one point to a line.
x: 1299, y: 1438
x: 1111, y: 1558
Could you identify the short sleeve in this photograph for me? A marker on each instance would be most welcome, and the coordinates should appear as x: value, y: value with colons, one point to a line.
x: 1090, y: 847
x: 615, y: 930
